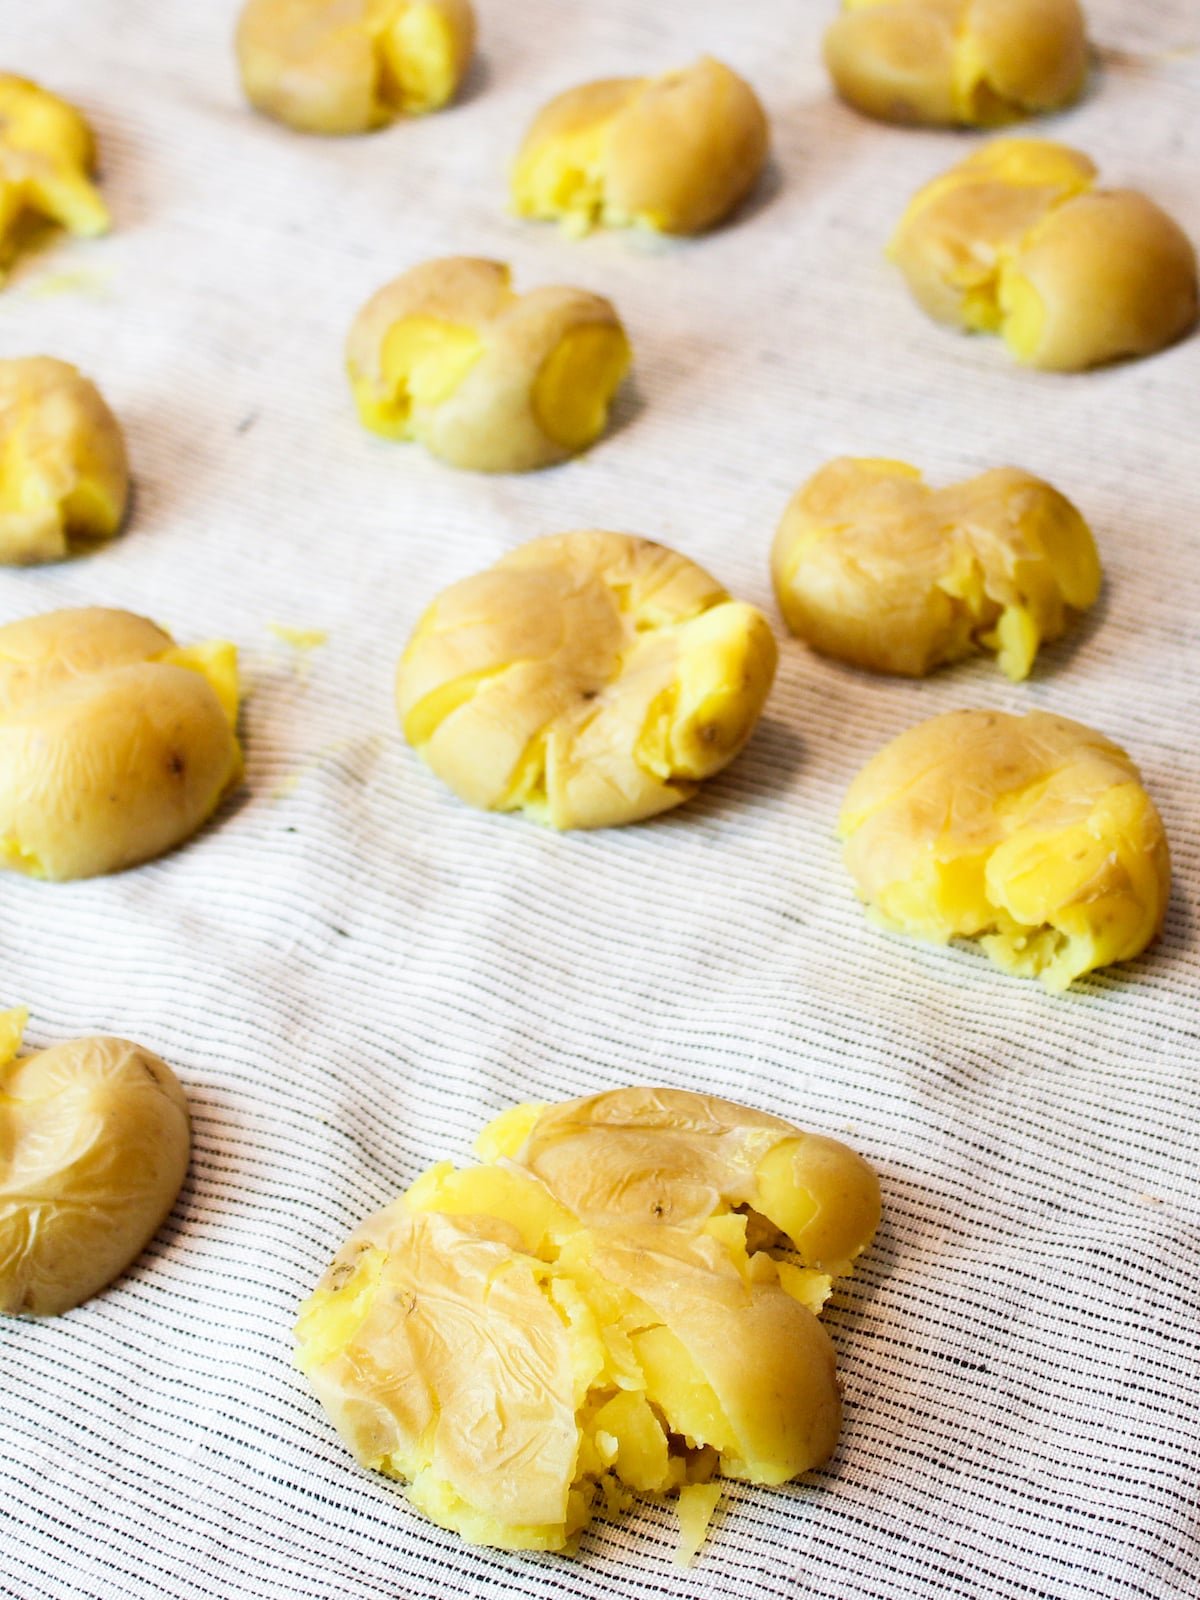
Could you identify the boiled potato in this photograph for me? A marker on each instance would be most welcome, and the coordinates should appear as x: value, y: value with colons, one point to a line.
x: 347, y: 66
x: 94, y: 1144
x: 674, y: 154
x: 621, y: 1298
x: 47, y: 155
x: 1032, y: 834
x: 1017, y: 240
x: 587, y: 679
x: 115, y: 744
x: 873, y: 566
x: 487, y: 379
x: 64, y: 478
x: 946, y: 62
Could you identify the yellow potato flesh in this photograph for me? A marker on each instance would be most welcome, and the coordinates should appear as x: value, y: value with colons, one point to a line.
x: 46, y: 156
x: 574, y: 388
x: 1033, y: 834
x: 424, y: 360
x: 94, y: 1144
x: 518, y: 1338
x: 873, y: 566
x: 587, y: 679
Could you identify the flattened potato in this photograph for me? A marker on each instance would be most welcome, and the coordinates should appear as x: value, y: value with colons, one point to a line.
x: 115, y: 744
x: 873, y: 566
x: 970, y: 62
x: 347, y: 66
x: 675, y: 154
x: 487, y: 379
x: 47, y: 154
x: 622, y: 1298
x: 587, y: 679
x: 1032, y: 834
x: 94, y: 1146
x: 64, y: 477
x: 1016, y: 240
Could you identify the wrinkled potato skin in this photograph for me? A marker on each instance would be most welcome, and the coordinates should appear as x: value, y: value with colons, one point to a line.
x: 470, y: 1337
x: 676, y: 154
x: 604, y: 677
x: 1016, y: 240
x: 94, y: 1146
x: 942, y: 63
x: 490, y: 422
x: 47, y: 153
x: 109, y: 755
x: 58, y: 441
x: 320, y: 65
x: 874, y: 567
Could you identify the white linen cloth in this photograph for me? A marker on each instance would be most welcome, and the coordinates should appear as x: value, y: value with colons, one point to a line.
x: 351, y: 971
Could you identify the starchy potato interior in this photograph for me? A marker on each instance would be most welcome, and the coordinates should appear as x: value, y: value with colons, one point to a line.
x: 560, y: 170
x: 48, y: 153
x: 424, y: 359
x: 575, y: 386
x: 420, y: 59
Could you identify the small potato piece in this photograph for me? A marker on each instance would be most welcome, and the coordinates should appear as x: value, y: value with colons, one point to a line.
x: 587, y: 679
x: 1032, y: 834
x: 347, y: 66
x: 115, y: 744
x: 94, y: 1145
x: 623, y: 1297
x: 1016, y: 240
x: 873, y: 566
x: 64, y: 478
x: 941, y: 63
x: 487, y: 379
x: 47, y: 154
x: 675, y: 154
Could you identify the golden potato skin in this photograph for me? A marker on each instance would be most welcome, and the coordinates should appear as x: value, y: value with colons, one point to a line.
x: 1017, y: 240
x: 1033, y: 834
x: 47, y: 154
x: 873, y: 566
x: 588, y: 679
x: 349, y: 66
x: 675, y: 154
x: 94, y: 1146
x: 64, y: 475
x: 945, y: 63
x: 597, y: 1309
x: 114, y: 744
x: 488, y: 380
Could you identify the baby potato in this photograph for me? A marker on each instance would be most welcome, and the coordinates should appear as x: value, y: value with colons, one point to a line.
x: 873, y: 566
x: 94, y: 1146
x: 1032, y: 834
x: 674, y: 154
x: 487, y: 379
x: 1017, y: 240
x: 47, y: 155
x: 347, y: 66
x: 64, y: 478
x: 621, y: 1298
x: 957, y: 62
x: 115, y: 744
x: 587, y: 679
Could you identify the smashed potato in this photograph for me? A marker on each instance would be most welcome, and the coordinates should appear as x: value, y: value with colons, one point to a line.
x: 94, y: 1145
x: 347, y: 66
x: 64, y: 478
x: 587, y: 679
x: 1032, y: 834
x: 487, y: 379
x: 621, y: 1299
x: 967, y: 62
x: 674, y: 154
x: 47, y: 155
x: 115, y: 744
x: 873, y: 566
x: 1017, y: 240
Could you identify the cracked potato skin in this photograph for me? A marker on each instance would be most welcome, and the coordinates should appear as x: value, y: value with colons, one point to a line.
x: 1033, y: 834
x: 588, y: 679
x: 94, y: 1147
x: 47, y: 156
x: 115, y: 745
x: 621, y: 1298
x: 64, y: 475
